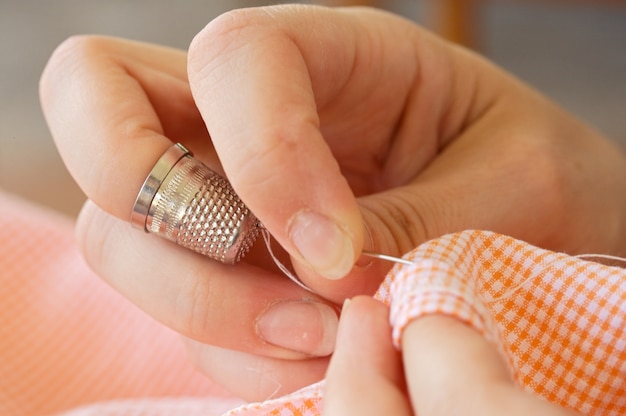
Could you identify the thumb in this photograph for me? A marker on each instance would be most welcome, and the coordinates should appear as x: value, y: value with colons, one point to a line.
x: 265, y: 128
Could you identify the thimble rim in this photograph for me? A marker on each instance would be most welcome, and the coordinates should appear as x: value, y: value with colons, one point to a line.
x: 152, y: 183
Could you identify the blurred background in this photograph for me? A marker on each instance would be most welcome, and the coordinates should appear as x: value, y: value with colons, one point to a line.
x: 573, y: 51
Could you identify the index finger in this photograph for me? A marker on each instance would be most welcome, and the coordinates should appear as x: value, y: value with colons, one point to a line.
x: 365, y: 373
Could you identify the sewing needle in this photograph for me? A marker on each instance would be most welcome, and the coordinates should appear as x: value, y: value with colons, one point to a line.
x: 386, y: 257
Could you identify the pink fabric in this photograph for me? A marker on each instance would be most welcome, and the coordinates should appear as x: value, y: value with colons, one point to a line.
x: 67, y: 339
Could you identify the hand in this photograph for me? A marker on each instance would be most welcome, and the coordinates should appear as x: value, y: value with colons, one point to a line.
x: 446, y: 368
x: 104, y: 95
x: 340, y: 129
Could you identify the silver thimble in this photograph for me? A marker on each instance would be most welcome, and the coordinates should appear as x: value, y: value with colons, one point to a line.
x: 188, y: 203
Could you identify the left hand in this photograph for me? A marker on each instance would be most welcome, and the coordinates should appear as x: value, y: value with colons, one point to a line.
x: 446, y: 368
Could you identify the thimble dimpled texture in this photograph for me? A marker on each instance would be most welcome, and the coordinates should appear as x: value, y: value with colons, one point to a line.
x: 198, y: 209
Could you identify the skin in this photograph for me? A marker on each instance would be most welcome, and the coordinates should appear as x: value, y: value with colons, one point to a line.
x: 382, y: 133
x: 446, y: 368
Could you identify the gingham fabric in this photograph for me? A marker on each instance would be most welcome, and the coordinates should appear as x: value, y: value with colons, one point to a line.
x: 559, y: 321
x: 67, y: 340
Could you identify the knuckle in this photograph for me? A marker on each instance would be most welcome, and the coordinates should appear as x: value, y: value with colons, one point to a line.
x: 546, y: 174
x: 237, y: 29
x: 93, y: 237
x: 218, y: 37
x: 193, y: 307
x: 66, y: 59
x: 263, y: 163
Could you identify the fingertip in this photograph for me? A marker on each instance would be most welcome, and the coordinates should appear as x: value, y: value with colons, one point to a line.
x: 322, y: 243
x: 365, y: 362
x: 365, y: 333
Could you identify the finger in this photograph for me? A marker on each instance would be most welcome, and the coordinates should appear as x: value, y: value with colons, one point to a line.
x: 456, y: 192
x: 244, y: 307
x: 281, y: 128
x: 113, y: 107
x: 451, y: 369
x: 444, y: 359
x: 468, y: 186
x: 365, y: 373
x: 252, y: 377
x: 266, y: 128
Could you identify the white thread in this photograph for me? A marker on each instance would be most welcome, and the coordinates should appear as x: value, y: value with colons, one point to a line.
x: 263, y: 375
x: 267, y: 237
x: 508, y: 293
x: 491, y: 299
x: 268, y: 240
x: 602, y: 256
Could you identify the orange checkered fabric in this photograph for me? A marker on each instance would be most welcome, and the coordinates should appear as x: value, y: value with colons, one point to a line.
x: 66, y: 340
x: 558, y: 320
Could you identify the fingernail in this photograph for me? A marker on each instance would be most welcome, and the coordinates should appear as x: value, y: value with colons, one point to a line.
x: 323, y: 244
x: 303, y: 326
x: 366, y: 261
x: 346, y: 303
